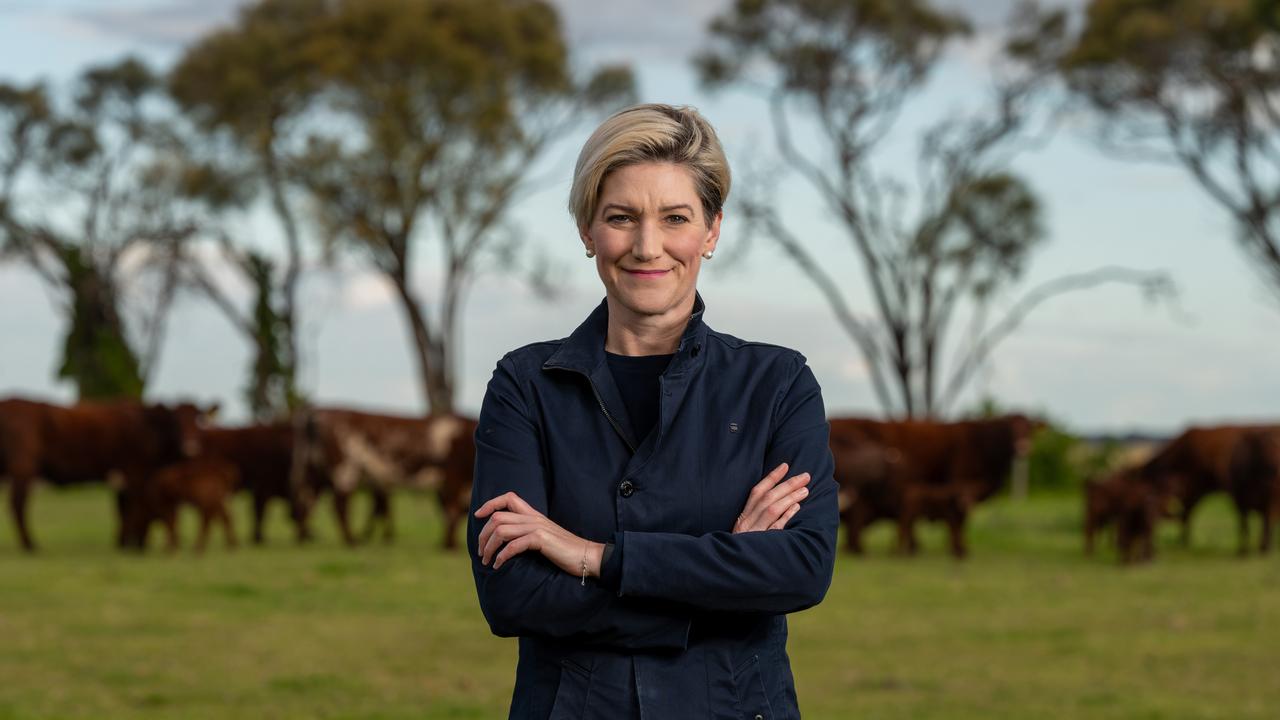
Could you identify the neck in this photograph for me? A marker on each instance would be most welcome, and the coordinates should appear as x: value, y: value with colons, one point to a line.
x: 630, y: 333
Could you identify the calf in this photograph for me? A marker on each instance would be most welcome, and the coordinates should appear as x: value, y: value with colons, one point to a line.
x: 206, y: 483
x: 1134, y: 507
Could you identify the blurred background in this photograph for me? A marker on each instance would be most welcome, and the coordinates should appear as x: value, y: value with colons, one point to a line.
x: 244, y: 150
x: 953, y: 208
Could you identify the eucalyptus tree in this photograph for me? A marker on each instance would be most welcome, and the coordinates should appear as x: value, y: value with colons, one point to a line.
x: 431, y: 115
x: 88, y: 202
x: 835, y: 76
x: 247, y: 88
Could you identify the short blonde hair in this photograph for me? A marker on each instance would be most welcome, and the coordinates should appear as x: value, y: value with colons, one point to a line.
x: 651, y: 133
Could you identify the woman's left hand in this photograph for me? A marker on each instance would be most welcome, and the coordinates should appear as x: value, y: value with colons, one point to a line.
x: 518, y: 524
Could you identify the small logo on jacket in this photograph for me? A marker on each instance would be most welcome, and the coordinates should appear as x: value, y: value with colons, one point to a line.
x: 733, y: 427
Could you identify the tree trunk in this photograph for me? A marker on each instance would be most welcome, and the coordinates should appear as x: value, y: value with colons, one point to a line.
x: 437, y: 392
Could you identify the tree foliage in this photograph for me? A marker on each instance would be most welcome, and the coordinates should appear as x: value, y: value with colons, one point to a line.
x: 1196, y: 82
x: 389, y: 124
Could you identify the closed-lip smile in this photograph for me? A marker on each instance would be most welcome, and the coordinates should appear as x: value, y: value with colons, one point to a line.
x: 648, y: 273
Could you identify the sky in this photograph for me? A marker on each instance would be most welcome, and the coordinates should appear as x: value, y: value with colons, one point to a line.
x: 1098, y: 361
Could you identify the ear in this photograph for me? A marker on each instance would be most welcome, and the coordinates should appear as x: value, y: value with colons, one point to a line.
x: 587, y: 242
x: 713, y: 233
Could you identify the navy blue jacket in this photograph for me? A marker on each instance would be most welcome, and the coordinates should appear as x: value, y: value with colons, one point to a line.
x: 687, y: 619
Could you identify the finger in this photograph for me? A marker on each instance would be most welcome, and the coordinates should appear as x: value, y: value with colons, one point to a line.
x: 519, y: 505
x: 768, y: 481
x: 496, y: 503
x: 775, y: 510
x: 497, y: 519
x: 503, y: 534
x: 786, y: 517
x: 763, y: 515
x: 756, y: 499
x: 784, y: 489
x: 515, y: 547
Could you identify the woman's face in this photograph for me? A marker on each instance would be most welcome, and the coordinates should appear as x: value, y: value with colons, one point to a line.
x: 649, y: 233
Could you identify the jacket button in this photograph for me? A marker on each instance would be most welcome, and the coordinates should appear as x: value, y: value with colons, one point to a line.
x: 626, y: 488
x: 759, y: 717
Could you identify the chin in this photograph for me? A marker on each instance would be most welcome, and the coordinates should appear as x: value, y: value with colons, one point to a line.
x: 648, y: 303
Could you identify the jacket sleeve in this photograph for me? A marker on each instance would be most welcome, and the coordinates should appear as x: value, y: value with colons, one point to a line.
x: 529, y: 595
x: 776, y: 571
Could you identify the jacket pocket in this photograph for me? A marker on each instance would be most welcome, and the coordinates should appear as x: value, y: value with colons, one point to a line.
x: 748, y: 684
x: 571, y: 695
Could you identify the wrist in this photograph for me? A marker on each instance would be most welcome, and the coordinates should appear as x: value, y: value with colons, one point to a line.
x: 594, y: 557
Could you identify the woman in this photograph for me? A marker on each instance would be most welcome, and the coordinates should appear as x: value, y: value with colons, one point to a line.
x: 620, y: 525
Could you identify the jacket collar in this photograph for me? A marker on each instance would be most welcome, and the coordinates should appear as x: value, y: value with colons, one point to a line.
x: 583, y: 350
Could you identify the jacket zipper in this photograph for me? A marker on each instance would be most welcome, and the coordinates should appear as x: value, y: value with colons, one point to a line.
x: 600, y: 401
x: 612, y: 422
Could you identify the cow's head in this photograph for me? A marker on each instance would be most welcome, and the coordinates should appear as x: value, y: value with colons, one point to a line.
x: 177, y: 427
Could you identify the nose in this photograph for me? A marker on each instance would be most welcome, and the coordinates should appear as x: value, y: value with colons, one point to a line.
x: 647, y: 244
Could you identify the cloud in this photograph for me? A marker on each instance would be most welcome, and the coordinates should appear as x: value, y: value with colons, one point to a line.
x: 662, y: 30
x: 169, y: 23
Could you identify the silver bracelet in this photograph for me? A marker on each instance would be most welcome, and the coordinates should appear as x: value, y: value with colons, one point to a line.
x: 584, y: 562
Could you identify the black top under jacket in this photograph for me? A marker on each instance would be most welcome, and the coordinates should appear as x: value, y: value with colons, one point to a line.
x: 637, y: 379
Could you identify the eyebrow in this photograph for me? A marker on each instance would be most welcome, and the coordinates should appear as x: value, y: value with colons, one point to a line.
x: 668, y: 208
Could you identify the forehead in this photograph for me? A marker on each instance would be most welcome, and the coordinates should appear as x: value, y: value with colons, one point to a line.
x: 650, y: 184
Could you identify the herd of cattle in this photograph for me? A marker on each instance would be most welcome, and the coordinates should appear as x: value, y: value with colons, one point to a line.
x: 159, y: 457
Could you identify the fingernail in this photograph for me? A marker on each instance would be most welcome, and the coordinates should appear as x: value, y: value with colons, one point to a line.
x: 803, y: 492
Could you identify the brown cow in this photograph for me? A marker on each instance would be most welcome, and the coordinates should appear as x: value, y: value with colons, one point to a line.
x: 381, y: 452
x: 1133, y: 506
x: 89, y: 442
x: 1198, y: 463
x: 204, y: 482
x: 264, y: 455
x: 950, y: 466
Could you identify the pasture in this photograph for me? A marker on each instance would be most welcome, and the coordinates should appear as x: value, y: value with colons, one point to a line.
x: 1027, y: 628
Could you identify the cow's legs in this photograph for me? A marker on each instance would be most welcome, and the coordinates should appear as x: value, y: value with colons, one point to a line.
x: 381, y: 511
x: 224, y: 517
x: 854, y: 523
x: 259, y: 515
x: 453, y: 518
x: 1089, y: 530
x: 206, y: 521
x: 19, y: 491
x: 122, y: 517
x: 1264, y: 543
x: 341, y: 511
x: 388, y: 527
x: 301, y: 520
x: 1242, y: 533
x: 956, y: 524
x: 171, y: 526
x: 906, y: 531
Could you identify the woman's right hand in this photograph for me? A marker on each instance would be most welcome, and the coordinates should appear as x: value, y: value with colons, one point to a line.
x: 773, y: 501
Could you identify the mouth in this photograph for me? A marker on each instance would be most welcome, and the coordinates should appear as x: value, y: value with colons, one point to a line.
x: 646, y: 273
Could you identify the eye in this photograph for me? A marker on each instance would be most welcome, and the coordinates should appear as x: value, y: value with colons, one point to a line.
x: 617, y: 218
x: 677, y: 219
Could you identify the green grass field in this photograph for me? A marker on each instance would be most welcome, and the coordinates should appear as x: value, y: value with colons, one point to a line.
x: 1027, y: 628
